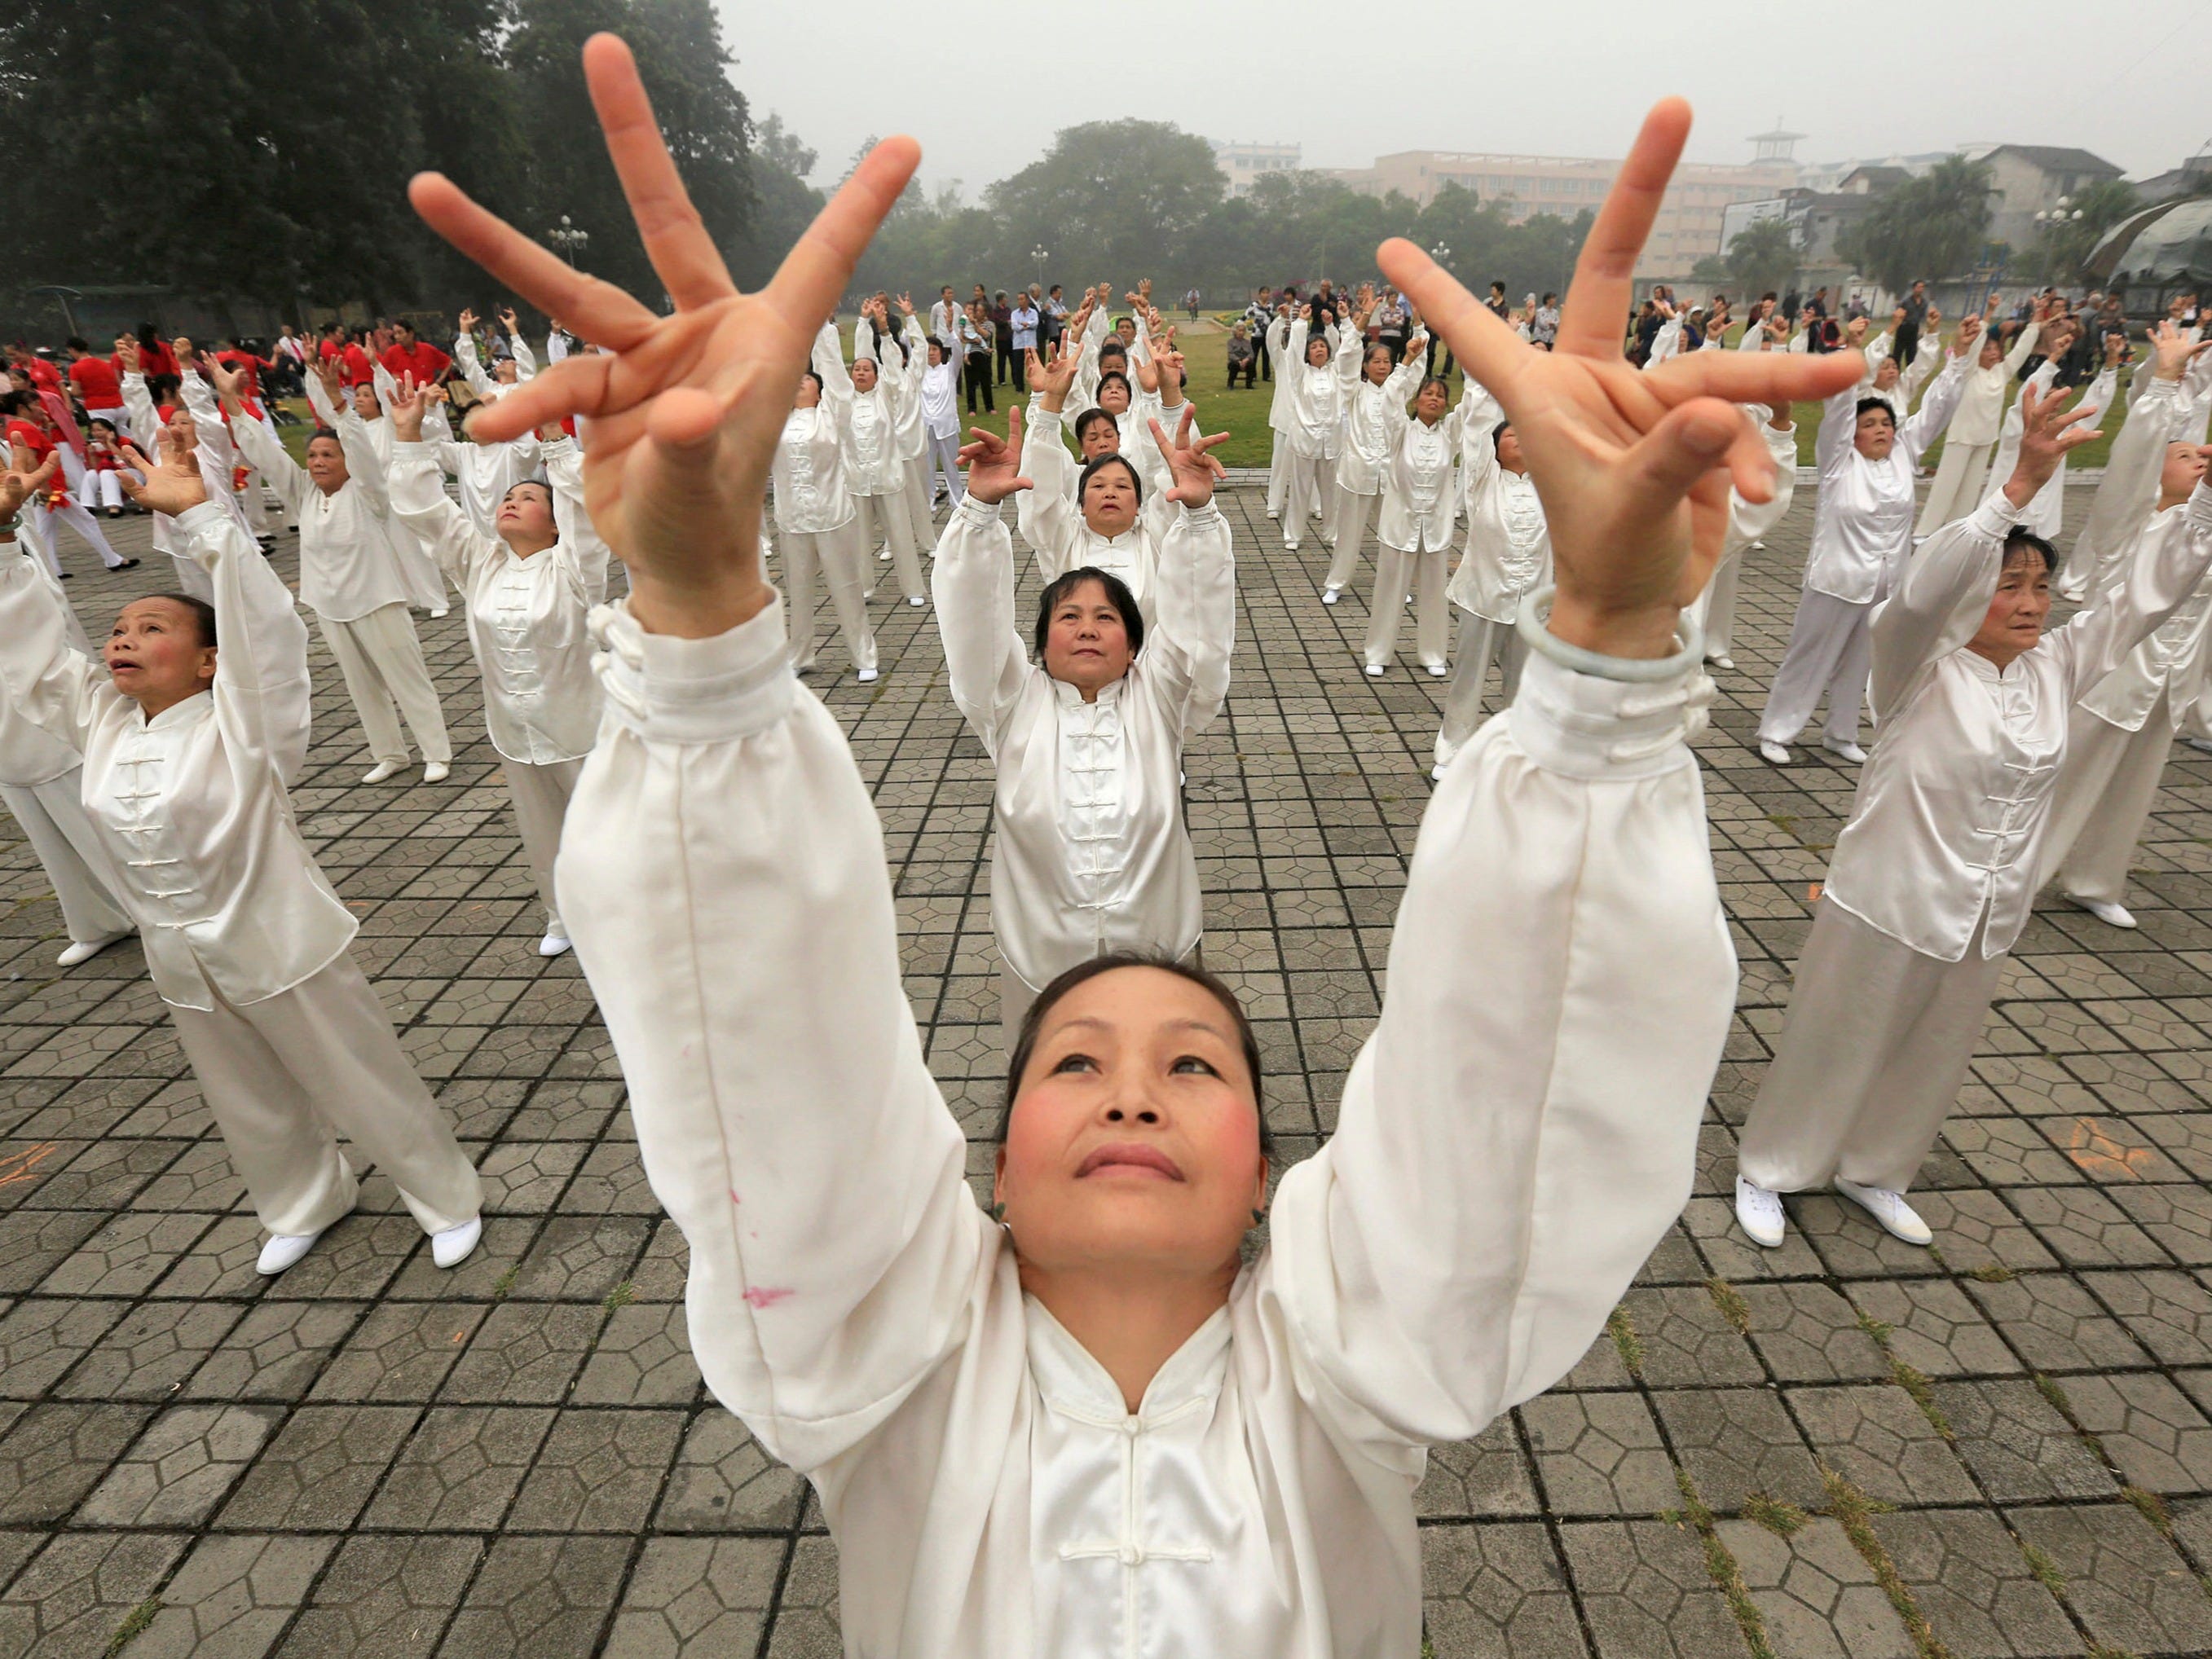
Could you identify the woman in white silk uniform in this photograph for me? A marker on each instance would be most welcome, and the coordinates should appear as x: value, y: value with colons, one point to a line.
x: 2123, y: 728
x: 1373, y: 421
x: 418, y: 571
x: 42, y: 782
x: 189, y: 750
x: 819, y: 527
x: 2045, y: 515
x: 1507, y: 554
x: 1314, y: 378
x: 350, y: 576
x: 1419, y: 506
x: 865, y: 400
x: 1749, y: 522
x: 2124, y: 497
x: 1934, y: 875
x: 1862, y: 536
x: 527, y: 593
x: 1094, y: 1429
x: 212, y: 449
x: 1972, y: 433
x: 1087, y: 739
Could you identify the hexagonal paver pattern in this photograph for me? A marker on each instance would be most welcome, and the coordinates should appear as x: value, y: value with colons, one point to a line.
x: 1815, y: 1592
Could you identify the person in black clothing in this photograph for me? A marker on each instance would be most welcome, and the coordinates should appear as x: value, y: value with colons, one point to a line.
x: 1257, y: 316
x: 1242, y: 358
x: 977, y: 338
x: 1915, y: 307
x: 1497, y: 301
x: 1002, y: 335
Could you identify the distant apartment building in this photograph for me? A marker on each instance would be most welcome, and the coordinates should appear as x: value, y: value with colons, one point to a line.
x: 2029, y: 178
x: 1689, y: 223
x: 1242, y: 164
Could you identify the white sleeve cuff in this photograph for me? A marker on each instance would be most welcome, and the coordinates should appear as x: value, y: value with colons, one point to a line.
x: 979, y: 513
x: 1994, y: 517
x: 667, y: 690
x: 194, y: 519
x: 1588, y: 727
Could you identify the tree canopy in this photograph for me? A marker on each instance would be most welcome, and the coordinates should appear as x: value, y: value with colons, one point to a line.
x: 1927, y: 228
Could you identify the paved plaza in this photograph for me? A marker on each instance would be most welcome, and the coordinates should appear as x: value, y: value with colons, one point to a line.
x: 1845, y: 1448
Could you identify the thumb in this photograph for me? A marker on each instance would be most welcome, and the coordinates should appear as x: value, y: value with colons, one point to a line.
x: 1692, y: 441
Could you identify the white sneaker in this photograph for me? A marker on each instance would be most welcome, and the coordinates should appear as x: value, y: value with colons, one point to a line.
x: 1292, y: 547
x: 554, y: 944
x: 436, y: 772
x: 884, y: 553
x: 1844, y: 748
x: 915, y: 599
x: 1758, y: 547
x: 380, y: 771
x: 284, y: 1251
x: 1331, y: 595
x: 2112, y: 914
x: 456, y: 1244
x: 1760, y: 1213
x: 1273, y: 514
x: 865, y: 675
x: 438, y: 612
x: 1436, y: 773
x: 85, y: 950
x: 1722, y: 661
x: 1898, y: 1219
x: 1773, y: 753
x: 1437, y: 670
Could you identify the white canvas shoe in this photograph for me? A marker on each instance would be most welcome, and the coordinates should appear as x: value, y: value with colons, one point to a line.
x: 554, y: 944
x: 2112, y: 914
x: 865, y: 675
x: 380, y: 771
x: 1775, y: 754
x: 915, y: 599
x: 438, y: 613
x: 1436, y: 774
x: 436, y: 772
x: 1437, y: 670
x: 1845, y: 749
x: 456, y: 1244
x: 1328, y: 595
x: 1898, y: 1219
x: 1760, y: 1213
x: 85, y: 950
x: 1374, y: 670
x: 1723, y: 661
x: 284, y: 1251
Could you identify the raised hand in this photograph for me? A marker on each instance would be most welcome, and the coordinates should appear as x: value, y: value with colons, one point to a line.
x: 906, y: 305
x: 1969, y: 335
x: 468, y: 322
x: 686, y: 409
x: 1051, y: 379
x: 995, y: 464
x: 17, y: 486
x: 126, y: 348
x: 331, y: 371
x: 507, y: 320
x: 228, y: 384
x: 2047, y: 431
x: 1190, y: 459
x: 174, y: 485
x: 408, y: 404
x: 2172, y: 349
x: 1634, y: 468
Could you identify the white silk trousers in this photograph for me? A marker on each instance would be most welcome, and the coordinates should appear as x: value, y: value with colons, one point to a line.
x: 887, y: 516
x: 60, y: 832
x: 386, y: 677
x: 1348, y: 519
x: 1397, y: 571
x: 835, y: 555
x: 1875, y: 1045
x: 1309, y: 482
x: 1830, y: 651
x: 1957, y: 487
x: 540, y: 792
x: 2106, y: 790
x: 1714, y: 610
x: 285, y: 1076
x: 1481, y: 642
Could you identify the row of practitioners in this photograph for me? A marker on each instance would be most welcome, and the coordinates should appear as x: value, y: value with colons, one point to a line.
x: 154, y: 780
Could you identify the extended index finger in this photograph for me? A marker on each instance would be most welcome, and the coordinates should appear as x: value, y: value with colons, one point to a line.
x: 675, y: 237
x: 1603, y: 286
x: 806, y: 285
x: 1490, y: 352
x: 607, y: 315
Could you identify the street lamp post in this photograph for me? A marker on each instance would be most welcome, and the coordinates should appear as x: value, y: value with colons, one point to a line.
x: 1039, y: 255
x: 568, y: 239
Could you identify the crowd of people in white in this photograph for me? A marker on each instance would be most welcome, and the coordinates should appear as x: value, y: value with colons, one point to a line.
x: 1019, y: 1422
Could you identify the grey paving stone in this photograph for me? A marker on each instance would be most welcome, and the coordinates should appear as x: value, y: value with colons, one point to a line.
x: 1598, y: 1453
x: 54, y: 1454
x: 1818, y: 1596
x: 461, y: 1469
x: 524, y: 1354
x: 548, y: 1597
x: 40, y: 1338
x: 807, y: 1613
x: 2126, y: 1582
x: 1808, y: 1333
x: 1876, y: 1437
x: 2146, y: 1427
x: 2017, y: 1445
x: 180, y: 1468
x: 1736, y: 1442
x: 320, y: 1469
x: 1646, y: 1592
x: 1933, y: 1328
x: 598, y: 1471
x: 232, y: 1597
x: 402, y: 1351
x: 276, y: 1351
x: 644, y: 1357
x: 385, y: 1596
x: 1497, y: 1590
x: 723, y: 1481
x: 701, y: 1597
x: 67, y: 1603
x: 1486, y: 1476
x: 1974, y: 1585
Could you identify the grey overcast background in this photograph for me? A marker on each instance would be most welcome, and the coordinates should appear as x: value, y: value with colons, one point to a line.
x: 984, y: 87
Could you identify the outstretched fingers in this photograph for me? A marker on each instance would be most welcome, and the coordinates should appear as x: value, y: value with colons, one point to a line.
x: 603, y: 312
x: 675, y: 237
x: 807, y: 286
x: 576, y: 386
x: 1689, y: 442
x: 1599, y: 295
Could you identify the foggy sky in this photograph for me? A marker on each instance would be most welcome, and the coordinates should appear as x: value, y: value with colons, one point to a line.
x: 985, y: 87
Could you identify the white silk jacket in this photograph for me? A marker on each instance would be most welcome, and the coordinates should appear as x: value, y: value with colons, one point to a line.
x: 192, y: 805
x: 1050, y: 522
x: 1091, y: 853
x: 1981, y: 406
x: 867, y: 422
x: 526, y: 616
x: 349, y: 564
x: 1508, y: 545
x: 1945, y: 834
x: 1420, y: 495
x: 1314, y: 399
x: 1863, y: 521
x: 1516, y: 1134
x: 2047, y: 511
x: 1374, y: 416
x: 811, y: 490
x: 29, y: 754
